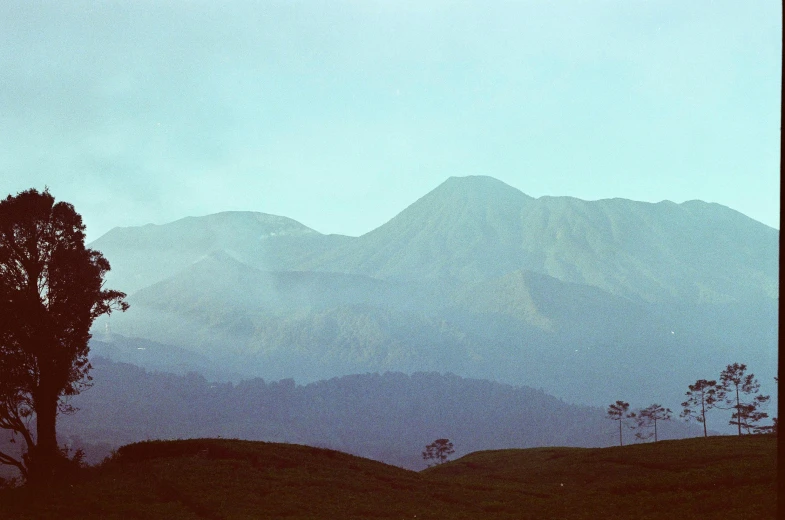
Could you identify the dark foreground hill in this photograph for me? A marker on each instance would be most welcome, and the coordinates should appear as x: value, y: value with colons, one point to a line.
x: 719, y: 477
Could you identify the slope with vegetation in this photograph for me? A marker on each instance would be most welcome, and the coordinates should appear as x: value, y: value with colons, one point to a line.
x: 387, y: 417
x: 477, y: 278
x: 721, y: 477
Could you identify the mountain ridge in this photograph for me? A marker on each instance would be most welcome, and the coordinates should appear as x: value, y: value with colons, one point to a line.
x: 499, y: 230
x: 634, y: 249
x: 474, y: 277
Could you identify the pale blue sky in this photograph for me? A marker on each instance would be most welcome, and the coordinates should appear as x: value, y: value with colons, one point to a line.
x: 340, y: 114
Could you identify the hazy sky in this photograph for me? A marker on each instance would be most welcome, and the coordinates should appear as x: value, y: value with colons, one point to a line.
x: 339, y: 114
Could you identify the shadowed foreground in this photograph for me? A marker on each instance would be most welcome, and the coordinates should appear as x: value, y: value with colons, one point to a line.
x: 718, y: 477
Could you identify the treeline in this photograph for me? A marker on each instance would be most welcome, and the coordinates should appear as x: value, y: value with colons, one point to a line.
x: 736, y: 390
x: 387, y: 417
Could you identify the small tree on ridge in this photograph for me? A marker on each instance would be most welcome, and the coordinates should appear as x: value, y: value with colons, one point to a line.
x: 701, y: 397
x: 649, y: 416
x: 438, y: 451
x: 619, y: 411
x: 734, y: 382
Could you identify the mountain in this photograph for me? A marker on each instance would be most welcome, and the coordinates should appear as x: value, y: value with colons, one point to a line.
x: 218, y: 279
x: 475, y: 228
x: 478, y: 228
x: 465, y: 229
x: 147, y: 254
x: 592, y: 301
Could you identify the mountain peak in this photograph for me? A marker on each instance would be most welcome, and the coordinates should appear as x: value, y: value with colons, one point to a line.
x: 472, y: 197
x: 459, y: 200
x: 481, y: 186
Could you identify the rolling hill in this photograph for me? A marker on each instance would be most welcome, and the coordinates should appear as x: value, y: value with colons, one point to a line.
x: 721, y: 477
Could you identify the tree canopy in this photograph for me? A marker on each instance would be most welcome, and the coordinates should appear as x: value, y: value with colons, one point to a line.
x: 701, y: 397
x: 649, y: 416
x: 438, y: 451
x: 51, y: 291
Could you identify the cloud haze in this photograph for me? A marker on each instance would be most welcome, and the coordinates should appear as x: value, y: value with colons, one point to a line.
x: 339, y: 114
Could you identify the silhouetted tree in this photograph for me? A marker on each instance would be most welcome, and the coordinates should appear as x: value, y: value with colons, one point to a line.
x: 51, y: 290
x: 734, y: 382
x: 771, y: 428
x: 619, y: 411
x: 701, y: 397
x: 438, y: 451
x: 641, y: 427
x: 648, y: 417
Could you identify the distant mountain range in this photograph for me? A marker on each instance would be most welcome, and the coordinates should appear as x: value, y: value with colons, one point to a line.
x: 388, y: 417
x: 591, y: 301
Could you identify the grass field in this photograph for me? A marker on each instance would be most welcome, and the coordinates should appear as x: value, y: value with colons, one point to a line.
x: 714, y: 478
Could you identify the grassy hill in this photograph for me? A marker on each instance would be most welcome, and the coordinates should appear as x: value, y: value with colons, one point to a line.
x: 718, y: 477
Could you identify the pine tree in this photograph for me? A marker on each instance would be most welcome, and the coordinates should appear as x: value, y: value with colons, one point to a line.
x: 734, y: 385
x: 619, y: 411
x: 648, y: 417
x: 701, y: 397
x: 438, y: 451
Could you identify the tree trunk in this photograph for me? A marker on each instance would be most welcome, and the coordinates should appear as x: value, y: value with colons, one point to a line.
x: 621, y: 443
x: 738, y: 410
x: 44, y: 457
x: 703, y: 414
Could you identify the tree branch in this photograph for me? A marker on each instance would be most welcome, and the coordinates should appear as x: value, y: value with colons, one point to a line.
x: 10, y: 461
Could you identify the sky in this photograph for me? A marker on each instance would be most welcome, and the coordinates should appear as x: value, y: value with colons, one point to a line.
x: 339, y: 114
